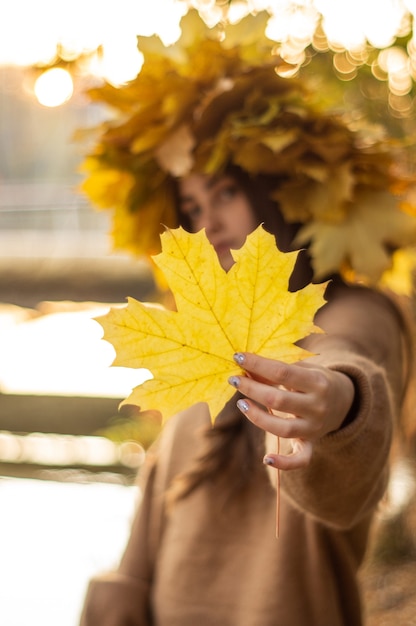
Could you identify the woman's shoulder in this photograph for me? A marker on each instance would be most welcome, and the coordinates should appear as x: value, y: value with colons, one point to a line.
x: 181, y: 435
x: 338, y: 289
x: 359, y: 303
x: 187, y: 422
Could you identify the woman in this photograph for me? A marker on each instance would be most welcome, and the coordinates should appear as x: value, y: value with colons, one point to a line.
x: 202, y: 548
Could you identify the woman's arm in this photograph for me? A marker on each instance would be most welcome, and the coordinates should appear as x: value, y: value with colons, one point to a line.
x: 337, y: 408
x: 121, y: 598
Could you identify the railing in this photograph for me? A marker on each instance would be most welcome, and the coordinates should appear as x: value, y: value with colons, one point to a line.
x: 57, y: 438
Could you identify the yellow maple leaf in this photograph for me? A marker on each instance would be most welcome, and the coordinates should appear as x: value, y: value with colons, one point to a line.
x: 190, y: 351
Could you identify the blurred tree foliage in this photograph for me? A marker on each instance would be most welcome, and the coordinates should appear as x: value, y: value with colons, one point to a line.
x: 362, y: 94
x: 351, y: 80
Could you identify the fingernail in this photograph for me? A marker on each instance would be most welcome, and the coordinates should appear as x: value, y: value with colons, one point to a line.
x: 243, y: 405
x: 234, y: 381
x: 268, y: 460
x: 239, y: 358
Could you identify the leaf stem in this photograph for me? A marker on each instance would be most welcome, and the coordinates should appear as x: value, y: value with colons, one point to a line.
x: 277, y: 484
x: 278, y: 493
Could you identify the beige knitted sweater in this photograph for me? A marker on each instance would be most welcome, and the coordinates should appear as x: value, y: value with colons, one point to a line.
x: 203, y: 565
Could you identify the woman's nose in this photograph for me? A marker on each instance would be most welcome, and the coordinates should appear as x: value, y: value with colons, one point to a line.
x: 212, y: 221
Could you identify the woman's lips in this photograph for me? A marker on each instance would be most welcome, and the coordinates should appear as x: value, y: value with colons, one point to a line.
x: 224, y: 255
x: 223, y: 247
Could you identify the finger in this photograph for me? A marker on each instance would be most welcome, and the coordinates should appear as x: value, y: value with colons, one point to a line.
x: 286, y: 427
x: 292, y: 376
x: 299, y: 457
x: 277, y: 399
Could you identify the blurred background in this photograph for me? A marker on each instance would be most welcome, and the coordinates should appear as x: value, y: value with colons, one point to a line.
x: 68, y: 459
x: 66, y: 489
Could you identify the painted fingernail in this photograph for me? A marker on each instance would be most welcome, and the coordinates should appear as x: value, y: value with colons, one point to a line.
x: 234, y: 381
x: 239, y: 358
x: 243, y: 405
x: 268, y: 460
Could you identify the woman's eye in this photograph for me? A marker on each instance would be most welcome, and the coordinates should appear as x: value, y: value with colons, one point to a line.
x: 228, y: 192
x: 193, y: 212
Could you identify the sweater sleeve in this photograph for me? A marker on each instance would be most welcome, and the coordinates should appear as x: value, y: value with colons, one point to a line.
x: 121, y: 598
x: 348, y: 472
x: 115, y: 600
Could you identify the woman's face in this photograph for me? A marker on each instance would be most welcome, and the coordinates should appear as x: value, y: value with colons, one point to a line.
x: 219, y: 205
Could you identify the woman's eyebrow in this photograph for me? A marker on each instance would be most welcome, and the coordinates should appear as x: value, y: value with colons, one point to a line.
x: 187, y: 197
x: 211, y: 182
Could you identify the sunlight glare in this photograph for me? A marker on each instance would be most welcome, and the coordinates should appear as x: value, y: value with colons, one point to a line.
x: 261, y: 5
x: 53, y: 345
x: 146, y: 19
x: 25, y: 41
x: 30, y: 31
x: 351, y: 24
x: 107, y: 32
x: 411, y: 6
x: 293, y: 20
x: 237, y: 11
x: 65, y: 533
x: 392, y: 60
x: 395, y: 63
x: 120, y: 62
x: 54, y: 87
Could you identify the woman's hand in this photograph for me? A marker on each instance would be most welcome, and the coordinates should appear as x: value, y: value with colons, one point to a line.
x: 304, y: 402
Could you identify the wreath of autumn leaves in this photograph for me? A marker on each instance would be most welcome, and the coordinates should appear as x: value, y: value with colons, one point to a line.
x: 214, y: 99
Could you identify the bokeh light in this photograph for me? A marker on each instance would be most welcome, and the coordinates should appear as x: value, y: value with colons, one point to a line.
x: 118, y: 62
x: 100, y: 37
x: 54, y: 87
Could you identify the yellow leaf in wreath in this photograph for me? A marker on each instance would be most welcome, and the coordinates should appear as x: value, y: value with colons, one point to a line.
x: 107, y: 186
x: 373, y: 226
x: 190, y: 351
